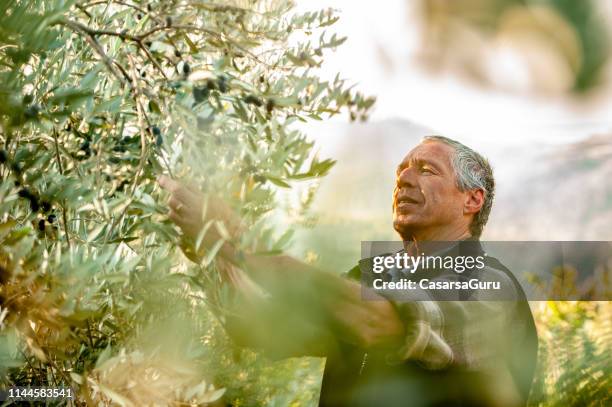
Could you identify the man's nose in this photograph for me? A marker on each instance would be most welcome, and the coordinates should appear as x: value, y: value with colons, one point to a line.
x: 406, y: 178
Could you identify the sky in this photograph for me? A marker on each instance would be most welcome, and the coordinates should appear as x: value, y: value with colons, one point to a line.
x: 379, y: 57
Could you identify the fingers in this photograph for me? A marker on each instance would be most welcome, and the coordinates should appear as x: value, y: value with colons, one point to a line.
x: 186, y: 194
x: 169, y: 184
x: 185, y: 204
x: 176, y: 204
x: 174, y: 217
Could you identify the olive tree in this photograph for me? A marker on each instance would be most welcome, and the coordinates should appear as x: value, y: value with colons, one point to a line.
x: 97, y: 99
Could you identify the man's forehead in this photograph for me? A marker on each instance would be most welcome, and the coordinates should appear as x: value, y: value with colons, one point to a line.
x: 430, y: 151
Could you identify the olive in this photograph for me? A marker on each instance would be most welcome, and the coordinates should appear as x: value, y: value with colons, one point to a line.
x: 186, y: 68
x: 270, y: 105
x: 138, y: 16
x: 159, y: 140
x: 149, y: 7
x: 34, y: 206
x: 32, y: 111
x: 41, y: 225
x: 168, y: 21
x: 177, y: 53
x: 122, y: 185
x: 3, y: 156
x: 16, y: 168
x: 51, y: 218
x: 222, y: 83
x: 254, y: 100
x: 25, y: 193
x: 156, y: 131
x: 45, y: 205
x: 210, y: 84
x: 200, y: 93
x: 27, y: 99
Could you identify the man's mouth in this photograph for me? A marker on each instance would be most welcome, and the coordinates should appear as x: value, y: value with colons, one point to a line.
x: 405, y: 202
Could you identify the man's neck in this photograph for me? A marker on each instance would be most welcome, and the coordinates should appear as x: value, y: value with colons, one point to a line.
x: 414, y: 242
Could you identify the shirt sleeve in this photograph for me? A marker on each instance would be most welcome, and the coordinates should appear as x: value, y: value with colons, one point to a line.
x: 471, y: 333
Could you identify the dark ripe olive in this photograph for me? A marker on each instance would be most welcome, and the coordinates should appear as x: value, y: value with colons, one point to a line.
x: 186, y: 68
x: 45, y: 205
x: 32, y: 111
x: 122, y: 185
x: 254, y: 100
x: 3, y: 156
x: 159, y: 140
x: 210, y: 84
x: 149, y: 8
x: 16, y: 168
x: 25, y: 193
x: 27, y: 99
x: 138, y: 16
x: 200, y: 93
x: 261, y: 79
x: 34, y: 206
x: 41, y: 225
x: 156, y: 131
x: 270, y: 105
x: 51, y: 218
x: 222, y: 84
x: 148, y: 44
x: 177, y: 53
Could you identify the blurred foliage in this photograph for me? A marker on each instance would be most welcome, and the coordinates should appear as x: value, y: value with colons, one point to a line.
x: 574, y: 366
x: 563, y: 45
x: 97, y: 99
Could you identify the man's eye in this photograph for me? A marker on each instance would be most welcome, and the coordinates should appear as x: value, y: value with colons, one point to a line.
x: 426, y: 170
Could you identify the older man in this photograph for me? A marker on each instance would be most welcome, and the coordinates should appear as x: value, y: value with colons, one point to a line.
x: 390, y: 352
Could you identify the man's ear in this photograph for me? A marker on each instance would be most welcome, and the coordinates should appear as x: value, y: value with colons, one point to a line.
x: 474, y: 199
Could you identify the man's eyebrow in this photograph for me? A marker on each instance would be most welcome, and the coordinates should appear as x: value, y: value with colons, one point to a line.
x: 417, y: 161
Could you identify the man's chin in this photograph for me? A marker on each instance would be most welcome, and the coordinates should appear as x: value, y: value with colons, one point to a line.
x: 404, y: 225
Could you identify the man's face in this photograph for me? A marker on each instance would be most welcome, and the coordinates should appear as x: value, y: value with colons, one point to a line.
x: 426, y: 198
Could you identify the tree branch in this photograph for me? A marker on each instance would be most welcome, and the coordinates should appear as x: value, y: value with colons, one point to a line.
x: 61, y: 171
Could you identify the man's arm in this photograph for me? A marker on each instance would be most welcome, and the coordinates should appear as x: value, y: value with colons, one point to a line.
x: 334, y: 302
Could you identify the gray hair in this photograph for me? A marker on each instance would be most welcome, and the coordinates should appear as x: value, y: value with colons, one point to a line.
x: 472, y: 171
